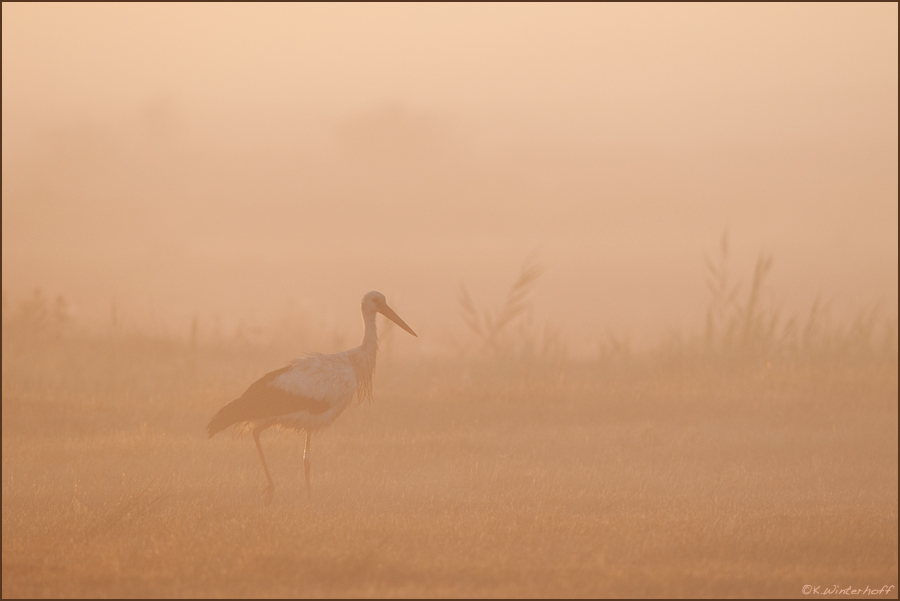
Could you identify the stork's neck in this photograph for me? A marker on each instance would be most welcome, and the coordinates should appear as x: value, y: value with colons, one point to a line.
x: 370, y: 336
x: 364, y: 357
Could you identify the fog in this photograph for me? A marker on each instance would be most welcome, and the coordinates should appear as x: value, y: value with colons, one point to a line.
x: 238, y: 163
x: 650, y: 253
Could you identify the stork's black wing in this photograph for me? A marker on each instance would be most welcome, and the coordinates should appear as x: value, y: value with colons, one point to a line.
x: 263, y: 400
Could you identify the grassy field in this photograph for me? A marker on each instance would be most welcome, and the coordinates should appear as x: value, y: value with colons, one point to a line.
x: 614, y: 477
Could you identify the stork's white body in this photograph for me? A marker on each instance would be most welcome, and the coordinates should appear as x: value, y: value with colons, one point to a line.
x: 329, y: 379
x: 312, y: 391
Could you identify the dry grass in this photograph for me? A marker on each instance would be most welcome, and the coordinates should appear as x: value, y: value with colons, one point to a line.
x: 641, y: 478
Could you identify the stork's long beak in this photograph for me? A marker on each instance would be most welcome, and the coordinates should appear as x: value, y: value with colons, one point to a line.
x: 389, y: 313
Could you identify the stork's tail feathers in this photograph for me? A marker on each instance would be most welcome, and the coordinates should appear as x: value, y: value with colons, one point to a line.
x: 226, y: 416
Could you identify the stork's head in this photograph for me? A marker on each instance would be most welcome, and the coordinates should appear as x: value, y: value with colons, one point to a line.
x: 374, y: 302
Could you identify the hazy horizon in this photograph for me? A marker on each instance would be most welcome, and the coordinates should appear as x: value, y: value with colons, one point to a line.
x: 240, y: 162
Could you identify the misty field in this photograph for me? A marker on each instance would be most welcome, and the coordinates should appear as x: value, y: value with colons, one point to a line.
x: 195, y: 194
x: 660, y: 475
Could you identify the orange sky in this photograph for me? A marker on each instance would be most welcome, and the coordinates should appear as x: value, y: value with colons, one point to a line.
x: 235, y: 160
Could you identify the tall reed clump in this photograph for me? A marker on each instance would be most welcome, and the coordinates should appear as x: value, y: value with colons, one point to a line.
x: 743, y: 330
x: 506, y: 336
x: 735, y: 329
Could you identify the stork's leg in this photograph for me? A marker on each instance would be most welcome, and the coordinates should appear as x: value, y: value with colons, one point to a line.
x: 306, y: 465
x: 270, y: 491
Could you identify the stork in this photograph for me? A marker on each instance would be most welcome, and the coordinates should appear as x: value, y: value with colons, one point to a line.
x: 310, y: 392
